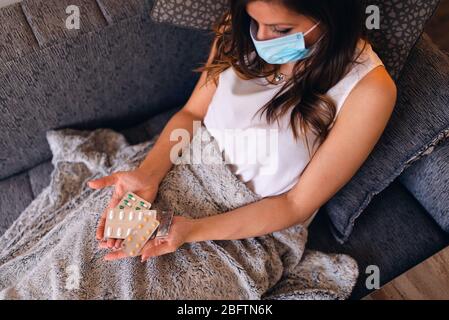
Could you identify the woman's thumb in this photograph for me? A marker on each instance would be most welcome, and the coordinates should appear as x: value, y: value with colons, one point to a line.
x: 102, y: 182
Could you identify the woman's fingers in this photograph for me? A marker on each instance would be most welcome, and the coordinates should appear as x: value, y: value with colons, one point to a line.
x: 146, y: 250
x: 120, y: 254
x: 117, y: 196
x: 151, y: 248
x: 100, y: 228
x: 150, y: 244
x: 118, y: 243
x: 100, y: 184
x: 157, y: 250
x: 111, y: 243
x: 115, y: 200
x: 103, y: 182
x: 103, y: 244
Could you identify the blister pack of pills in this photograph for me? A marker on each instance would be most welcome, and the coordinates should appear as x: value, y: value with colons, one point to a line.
x: 134, y: 243
x: 132, y: 220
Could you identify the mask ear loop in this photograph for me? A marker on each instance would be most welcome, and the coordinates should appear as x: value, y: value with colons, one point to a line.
x: 313, y: 28
x: 314, y: 46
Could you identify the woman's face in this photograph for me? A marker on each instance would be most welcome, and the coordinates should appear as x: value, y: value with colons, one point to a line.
x: 274, y: 20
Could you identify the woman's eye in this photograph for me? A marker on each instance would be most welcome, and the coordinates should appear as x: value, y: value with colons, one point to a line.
x: 283, y: 31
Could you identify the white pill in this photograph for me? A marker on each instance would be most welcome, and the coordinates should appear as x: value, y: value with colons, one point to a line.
x: 140, y: 216
x: 128, y: 232
x: 111, y: 215
x: 121, y: 215
x: 131, y: 216
x: 119, y: 232
x: 109, y: 232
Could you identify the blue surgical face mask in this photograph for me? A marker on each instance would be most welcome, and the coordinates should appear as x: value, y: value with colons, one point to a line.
x: 281, y: 50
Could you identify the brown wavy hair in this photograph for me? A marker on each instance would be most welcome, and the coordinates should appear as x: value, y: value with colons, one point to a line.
x: 305, y: 92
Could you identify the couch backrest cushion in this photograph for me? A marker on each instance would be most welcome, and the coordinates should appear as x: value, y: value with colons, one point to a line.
x: 199, y: 14
x: 16, y: 38
x: 118, y: 69
x: 47, y: 19
x: 402, y: 23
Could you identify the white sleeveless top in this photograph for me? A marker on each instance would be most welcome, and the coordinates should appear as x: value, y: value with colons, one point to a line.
x: 266, y: 157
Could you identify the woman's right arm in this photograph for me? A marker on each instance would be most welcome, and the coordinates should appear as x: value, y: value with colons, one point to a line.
x: 158, y: 162
x: 145, y: 180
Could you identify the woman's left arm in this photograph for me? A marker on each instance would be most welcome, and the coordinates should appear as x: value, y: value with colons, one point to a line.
x: 356, y: 131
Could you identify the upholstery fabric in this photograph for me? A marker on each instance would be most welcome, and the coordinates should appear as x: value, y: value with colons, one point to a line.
x: 428, y: 181
x: 114, y: 76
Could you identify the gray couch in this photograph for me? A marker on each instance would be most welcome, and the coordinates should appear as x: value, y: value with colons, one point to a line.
x: 125, y: 72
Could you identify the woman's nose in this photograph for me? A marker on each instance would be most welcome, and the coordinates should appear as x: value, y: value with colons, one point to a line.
x: 264, y: 34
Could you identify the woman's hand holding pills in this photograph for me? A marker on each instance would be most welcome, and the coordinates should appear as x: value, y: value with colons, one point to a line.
x: 141, y: 182
x: 180, y: 233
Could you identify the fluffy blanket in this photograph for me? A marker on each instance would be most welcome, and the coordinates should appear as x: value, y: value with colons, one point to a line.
x: 50, y: 252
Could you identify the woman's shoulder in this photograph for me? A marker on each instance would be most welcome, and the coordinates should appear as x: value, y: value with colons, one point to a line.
x: 371, y: 77
x: 365, y: 55
x: 367, y: 76
x: 369, y: 61
x: 365, y: 59
x: 377, y: 82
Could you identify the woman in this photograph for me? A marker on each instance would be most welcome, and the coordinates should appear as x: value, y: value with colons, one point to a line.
x: 299, y: 64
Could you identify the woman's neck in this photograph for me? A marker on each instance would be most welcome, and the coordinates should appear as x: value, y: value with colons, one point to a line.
x: 286, y: 69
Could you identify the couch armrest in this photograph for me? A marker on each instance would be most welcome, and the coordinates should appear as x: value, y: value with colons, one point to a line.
x: 427, y: 176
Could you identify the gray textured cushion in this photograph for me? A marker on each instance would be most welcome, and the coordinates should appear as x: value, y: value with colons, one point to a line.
x: 401, y: 24
x: 15, y: 195
x: 115, y: 76
x: 199, y: 14
x: 15, y: 38
x: 419, y: 122
x: 47, y: 19
x: 428, y: 181
x: 116, y: 10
